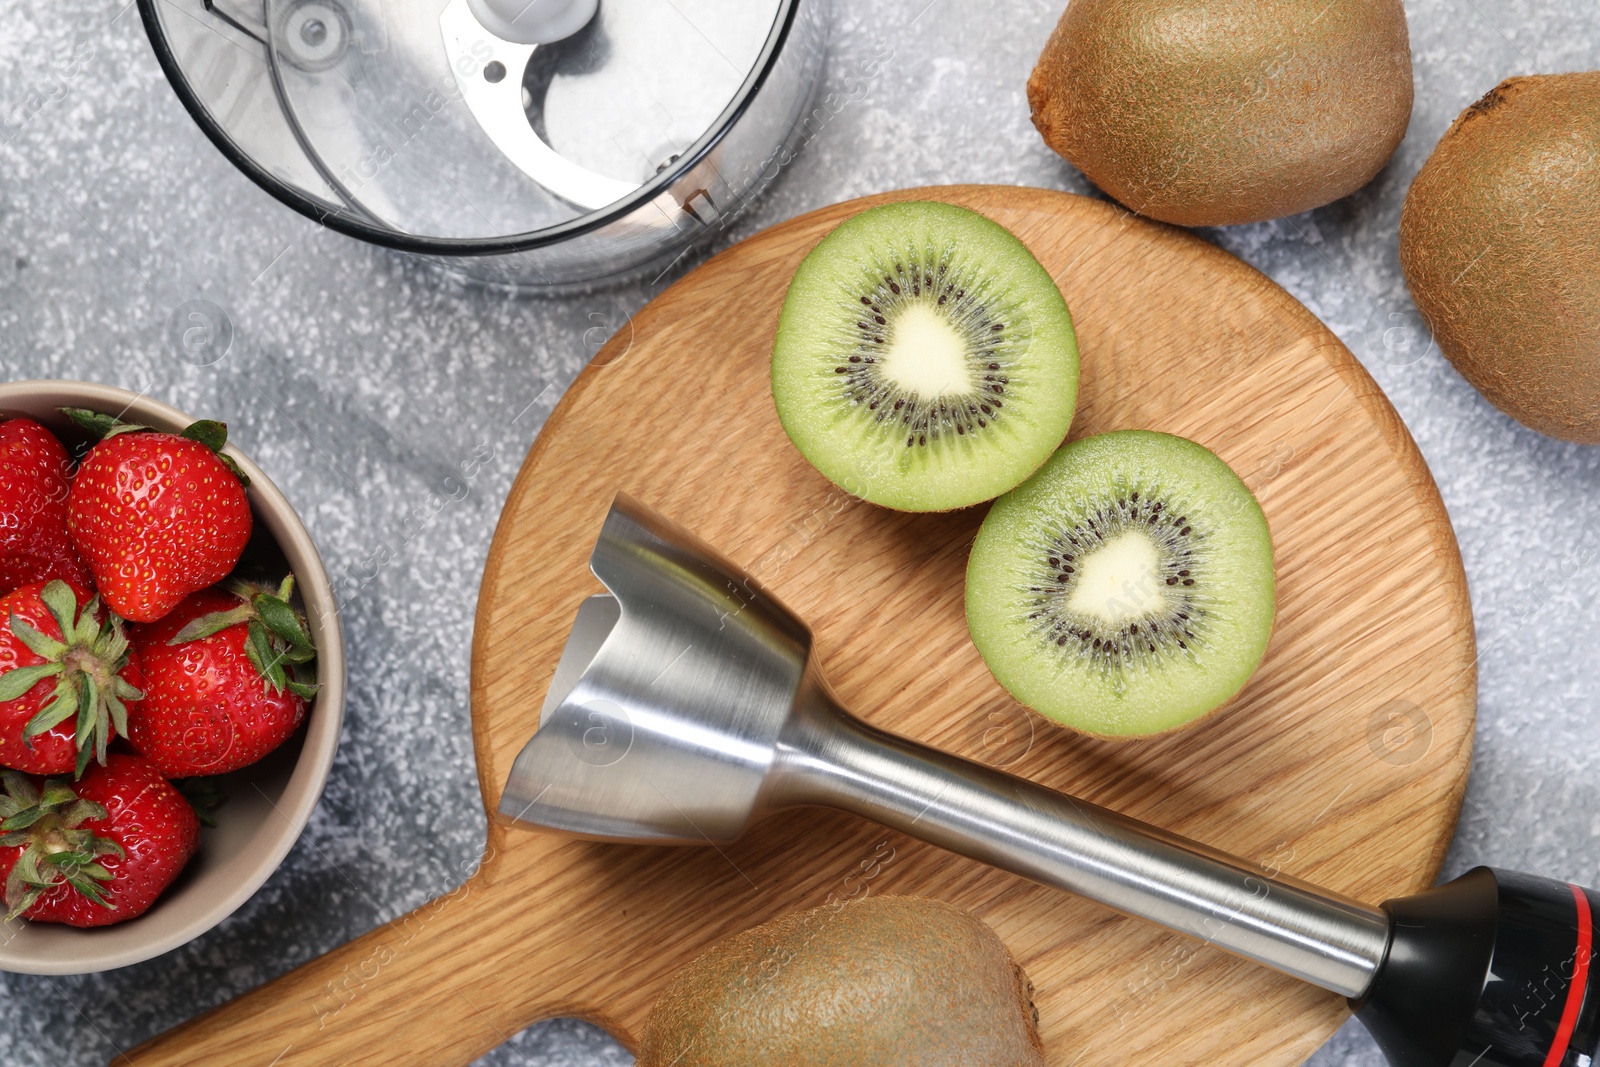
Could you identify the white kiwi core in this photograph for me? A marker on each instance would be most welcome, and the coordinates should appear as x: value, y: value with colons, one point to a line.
x: 926, y: 355
x: 1120, y: 581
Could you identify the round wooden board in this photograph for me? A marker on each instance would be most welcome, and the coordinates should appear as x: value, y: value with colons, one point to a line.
x: 1343, y: 762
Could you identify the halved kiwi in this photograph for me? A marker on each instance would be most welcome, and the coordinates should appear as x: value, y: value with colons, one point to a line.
x: 924, y: 359
x: 1126, y: 588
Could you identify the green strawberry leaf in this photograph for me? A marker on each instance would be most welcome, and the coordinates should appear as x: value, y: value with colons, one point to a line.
x: 98, y: 425
x: 82, y: 880
x: 85, y: 754
x: 87, y: 666
x: 91, y: 742
x: 55, y: 794
x: 204, y: 796
x: 202, y: 626
x: 74, y: 858
x: 24, y: 899
x: 232, y: 465
x: 81, y: 811
x: 39, y: 643
x: 281, y: 619
x: 62, y: 706
x: 90, y: 628
x: 63, y: 604
x: 253, y: 652
x: 27, y: 867
x: 22, y: 819
x: 110, y: 644
x: 214, y: 435
x: 14, y: 683
x: 55, y: 850
x: 276, y: 638
x: 19, y: 787
x: 267, y: 660
x: 94, y: 720
x: 118, y: 710
x: 209, y: 432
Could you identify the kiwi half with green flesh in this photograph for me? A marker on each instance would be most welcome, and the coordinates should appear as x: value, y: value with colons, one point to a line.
x: 1126, y: 588
x: 924, y: 360
x: 878, y: 981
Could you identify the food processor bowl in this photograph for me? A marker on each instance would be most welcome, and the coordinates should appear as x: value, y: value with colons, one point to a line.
x: 496, y: 154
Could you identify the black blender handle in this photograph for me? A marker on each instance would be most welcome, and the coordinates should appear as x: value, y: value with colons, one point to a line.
x: 1494, y: 969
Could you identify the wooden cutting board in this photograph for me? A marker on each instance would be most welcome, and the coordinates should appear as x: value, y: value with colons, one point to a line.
x: 1343, y: 762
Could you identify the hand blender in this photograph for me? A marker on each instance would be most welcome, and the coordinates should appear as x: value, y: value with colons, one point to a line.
x: 686, y: 707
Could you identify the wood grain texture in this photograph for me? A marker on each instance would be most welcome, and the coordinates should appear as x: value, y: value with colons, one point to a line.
x: 1343, y: 762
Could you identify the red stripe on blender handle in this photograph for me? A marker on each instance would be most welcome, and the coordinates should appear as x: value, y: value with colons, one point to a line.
x: 1579, y: 984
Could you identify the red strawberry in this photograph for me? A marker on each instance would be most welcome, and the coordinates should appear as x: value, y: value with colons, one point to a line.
x: 156, y: 515
x: 65, y: 672
x: 223, y: 680
x: 97, y: 853
x: 35, y: 474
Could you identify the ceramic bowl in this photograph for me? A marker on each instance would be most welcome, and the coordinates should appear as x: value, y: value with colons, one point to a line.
x: 267, y: 803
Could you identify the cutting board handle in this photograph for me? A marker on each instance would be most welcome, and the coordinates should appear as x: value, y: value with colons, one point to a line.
x: 426, y: 988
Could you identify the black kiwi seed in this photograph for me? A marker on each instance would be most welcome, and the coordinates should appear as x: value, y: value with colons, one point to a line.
x: 1113, y: 650
x: 982, y: 325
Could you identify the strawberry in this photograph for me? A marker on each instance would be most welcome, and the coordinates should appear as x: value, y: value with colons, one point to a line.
x: 157, y: 516
x: 35, y: 474
x: 97, y: 853
x: 223, y: 680
x: 66, y: 671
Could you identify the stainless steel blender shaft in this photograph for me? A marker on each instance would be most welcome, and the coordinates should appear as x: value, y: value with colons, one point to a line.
x: 830, y: 758
x: 687, y: 707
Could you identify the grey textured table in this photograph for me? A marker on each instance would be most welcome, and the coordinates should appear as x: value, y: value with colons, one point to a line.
x: 360, y: 381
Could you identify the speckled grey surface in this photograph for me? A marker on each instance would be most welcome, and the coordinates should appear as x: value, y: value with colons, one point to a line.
x: 361, y: 382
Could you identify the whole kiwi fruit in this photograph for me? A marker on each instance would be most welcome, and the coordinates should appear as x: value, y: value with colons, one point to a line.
x: 1499, y: 241
x: 1217, y: 112
x: 876, y: 981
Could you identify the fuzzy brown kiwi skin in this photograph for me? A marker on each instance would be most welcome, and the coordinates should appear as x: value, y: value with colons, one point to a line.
x: 1498, y: 242
x: 1216, y: 112
x: 827, y: 987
